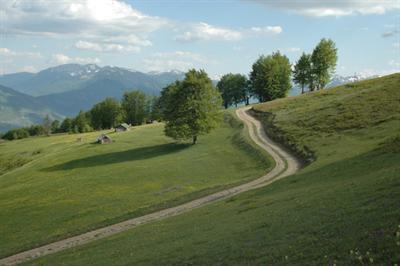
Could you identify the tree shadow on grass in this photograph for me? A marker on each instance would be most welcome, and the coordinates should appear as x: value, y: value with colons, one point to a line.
x: 121, y: 156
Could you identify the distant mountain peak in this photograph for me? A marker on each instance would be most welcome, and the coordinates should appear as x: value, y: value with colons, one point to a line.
x: 173, y: 71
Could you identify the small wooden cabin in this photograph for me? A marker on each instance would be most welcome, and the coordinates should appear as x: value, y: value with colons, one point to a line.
x: 122, y: 127
x: 104, y: 139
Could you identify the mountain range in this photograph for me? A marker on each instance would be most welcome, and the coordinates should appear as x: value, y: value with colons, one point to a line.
x: 18, y: 109
x: 64, y: 90
x: 75, y: 77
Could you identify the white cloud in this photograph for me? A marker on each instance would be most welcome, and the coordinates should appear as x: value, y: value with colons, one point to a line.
x: 205, y: 32
x: 5, y: 52
x: 394, y: 63
x: 102, y: 21
x: 107, y: 47
x: 267, y: 29
x: 31, y: 69
x: 291, y: 50
x: 396, y: 45
x: 64, y: 59
x: 324, y: 8
x: 178, y: 60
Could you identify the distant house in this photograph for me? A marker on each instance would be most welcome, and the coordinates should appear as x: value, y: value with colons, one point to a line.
x: 122, y: 127
x: 103, y: 139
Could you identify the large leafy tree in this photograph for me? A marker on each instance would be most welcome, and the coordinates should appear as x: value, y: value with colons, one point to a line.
x: 106, y: 114
x: 233, y: 88
x: 270, y: 77
x: 66, y: 125
x: 134, y: 106
x: 324, y: 59
x: 191, y: 107
x: 302, y: 73
x: 80, y: 123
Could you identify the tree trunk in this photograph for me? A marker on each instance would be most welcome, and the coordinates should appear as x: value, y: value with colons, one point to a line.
x: 302, y: 89
x: 247, y: 101
x: 194, y: 140
x: 226, y: 105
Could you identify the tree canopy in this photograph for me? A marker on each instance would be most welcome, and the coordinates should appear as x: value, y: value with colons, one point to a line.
x: 315, y: 70
x: 134, y: 107
x: 233, y: 89
x: 106, y: 114
x: 191, y: 107
x: 270, y: 77
x: 324, y: 59
x: 302, y: 73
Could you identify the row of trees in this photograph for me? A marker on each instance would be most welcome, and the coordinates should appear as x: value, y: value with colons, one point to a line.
x: 271, y: 76
x: 314, y: 70
x: 46, y: 128
x: 190, y: 108
x: 135, y: 108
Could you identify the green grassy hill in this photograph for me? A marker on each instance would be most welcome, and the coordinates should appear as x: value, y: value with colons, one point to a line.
x: 342, y: 209
x: 54, y: 187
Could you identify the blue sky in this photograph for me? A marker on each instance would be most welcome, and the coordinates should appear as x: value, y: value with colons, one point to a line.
x: 218, y: 36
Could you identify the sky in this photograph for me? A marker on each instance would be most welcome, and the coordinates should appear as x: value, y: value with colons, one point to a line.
x: 218, y: 36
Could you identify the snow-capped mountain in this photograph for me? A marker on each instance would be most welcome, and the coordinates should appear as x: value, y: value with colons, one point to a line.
x: 339, y: 80
x: 336, y: 80
x: 71, y: 77
x: 69, y: 88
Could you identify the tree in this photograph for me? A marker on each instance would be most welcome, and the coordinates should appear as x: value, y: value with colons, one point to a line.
x: 156, y: 111
x: 66, y: 125
x: 18, y: 133
x: 191, y: 107
x: 324, y: 59
x: 226, y: 94
x: 55, y: 126
x: 302, y: 73
x: 81, y: 124
x: 36, y: 130
x: 249, y: 92
x: 134, y: 107
x: 106, y: 114
x: 270, y: 77
x: 47, y: 125
x: 233, y: 89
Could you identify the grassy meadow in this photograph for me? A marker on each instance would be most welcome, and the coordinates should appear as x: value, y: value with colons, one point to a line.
x: 54, y: 187
x: 343, y: 208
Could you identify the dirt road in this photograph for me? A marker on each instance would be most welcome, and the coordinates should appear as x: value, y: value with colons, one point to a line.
x: 286, y: 164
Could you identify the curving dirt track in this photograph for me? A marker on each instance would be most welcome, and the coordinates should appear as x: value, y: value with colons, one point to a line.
x: 285, y: 164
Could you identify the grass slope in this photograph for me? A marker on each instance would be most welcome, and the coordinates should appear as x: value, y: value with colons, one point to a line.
x: 60, y: 187
x: 341, y: 209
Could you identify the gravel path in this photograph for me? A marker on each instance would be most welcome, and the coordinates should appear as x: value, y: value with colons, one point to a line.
x: 286, y: 164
